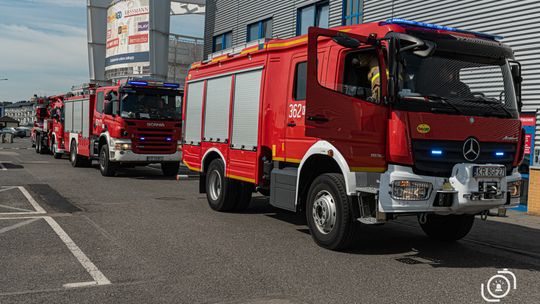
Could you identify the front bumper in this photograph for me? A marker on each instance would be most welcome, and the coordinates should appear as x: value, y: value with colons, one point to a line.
x: 463, y: 184
x: 128, y: 156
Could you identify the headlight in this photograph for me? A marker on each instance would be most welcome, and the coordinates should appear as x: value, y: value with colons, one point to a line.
x: 122, y: 147
x: 514, y: 188
x: 410, y: 190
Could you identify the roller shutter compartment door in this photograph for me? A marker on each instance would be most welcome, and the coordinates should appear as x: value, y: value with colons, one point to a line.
x: 245, y: 128
x: 218, y: 102
x: 194, y: 113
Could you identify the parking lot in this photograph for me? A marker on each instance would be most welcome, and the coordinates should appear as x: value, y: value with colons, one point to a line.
x: 69, y: 235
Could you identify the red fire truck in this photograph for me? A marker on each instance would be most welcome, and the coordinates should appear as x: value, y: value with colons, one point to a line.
x: 134, y: 123
x: 48, y: 133
x: 311, y: 122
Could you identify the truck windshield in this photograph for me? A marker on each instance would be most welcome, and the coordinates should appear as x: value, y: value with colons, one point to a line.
x: 454, y: 83
x: 152, y: 105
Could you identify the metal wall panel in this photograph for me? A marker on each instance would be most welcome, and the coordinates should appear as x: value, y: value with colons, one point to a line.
x: 194, y: 103
x: 516, y: 21
x: 235, y: 15
x: 216, y: 109
x: 245, y: 127
x: 68, y: 116
x: 86, y: 118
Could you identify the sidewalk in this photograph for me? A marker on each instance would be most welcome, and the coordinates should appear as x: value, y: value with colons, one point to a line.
x: 518, y: 218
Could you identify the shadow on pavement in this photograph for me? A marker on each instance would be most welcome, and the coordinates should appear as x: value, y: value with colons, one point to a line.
x: 486, y: 245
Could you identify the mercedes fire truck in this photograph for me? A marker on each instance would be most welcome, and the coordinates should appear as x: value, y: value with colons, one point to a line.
x: 134, y: 123
x: 358, y: 125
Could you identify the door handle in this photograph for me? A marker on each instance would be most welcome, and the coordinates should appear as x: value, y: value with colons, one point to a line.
x: 318, y: 118
x: 291, y: 124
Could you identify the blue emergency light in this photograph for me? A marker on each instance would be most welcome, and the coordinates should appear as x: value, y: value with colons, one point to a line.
x: 499, y: 154
x: 138, y: 83
x: 436, y: 152
x: 172, y: 85
x: 401, y: 21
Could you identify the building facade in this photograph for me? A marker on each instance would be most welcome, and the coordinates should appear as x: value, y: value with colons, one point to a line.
x: 233, y: 22
x: 23, y: 112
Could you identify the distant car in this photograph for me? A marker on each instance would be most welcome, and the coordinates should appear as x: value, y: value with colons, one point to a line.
x: 27, y: 131
x: 15, y: 132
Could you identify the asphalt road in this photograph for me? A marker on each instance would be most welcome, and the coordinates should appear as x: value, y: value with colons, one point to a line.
x: 69, y: 235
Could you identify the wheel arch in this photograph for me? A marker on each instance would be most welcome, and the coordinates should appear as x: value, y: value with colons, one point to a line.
x: 322, y: 157
x: 210, y: 155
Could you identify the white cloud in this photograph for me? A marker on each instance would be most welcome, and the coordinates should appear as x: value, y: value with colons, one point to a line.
x: 41, y: 61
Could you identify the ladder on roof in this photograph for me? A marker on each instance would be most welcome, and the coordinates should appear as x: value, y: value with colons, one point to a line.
x: 237, y: 49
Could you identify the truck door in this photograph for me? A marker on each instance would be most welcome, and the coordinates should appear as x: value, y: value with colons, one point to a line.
x: 97, y: 124
x: 296, y: 142
x: 343, y: 109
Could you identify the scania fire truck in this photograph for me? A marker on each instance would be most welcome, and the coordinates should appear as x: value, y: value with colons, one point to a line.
x: 134, y: 123
x: 358, y: 125
x: 49, y: 128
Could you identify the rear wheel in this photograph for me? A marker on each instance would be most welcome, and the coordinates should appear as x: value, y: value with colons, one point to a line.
x: 220, y: 191
x: 36, y: 144
x: 75, y: 159
x: 447, y: 228
x: 170, y: 169
x: 106, y: 167
x: 245, y: 191
x: 329, y: 213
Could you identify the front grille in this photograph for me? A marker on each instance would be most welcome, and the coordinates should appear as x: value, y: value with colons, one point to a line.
x: 441, y: 165
x: 153, y: 141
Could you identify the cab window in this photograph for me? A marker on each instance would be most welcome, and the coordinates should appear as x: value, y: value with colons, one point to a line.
x: 361, y: 77
x: 300, y: 81
x: 99, y: 102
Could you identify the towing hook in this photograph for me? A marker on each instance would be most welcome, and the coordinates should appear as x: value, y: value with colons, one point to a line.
x: 484, y: 215
x: 422, y: 218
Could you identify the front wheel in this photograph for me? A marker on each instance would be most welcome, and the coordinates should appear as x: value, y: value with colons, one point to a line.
x: 55, y: 150
x: 329, y: 213
x: 106, y: 167
x: 447, y: 228
x: 170, y: 169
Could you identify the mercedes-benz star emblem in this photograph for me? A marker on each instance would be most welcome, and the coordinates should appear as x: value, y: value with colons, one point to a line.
x: 471, y: 149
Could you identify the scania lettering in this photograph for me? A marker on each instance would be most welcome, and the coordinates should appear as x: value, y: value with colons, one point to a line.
x: 358, y: 125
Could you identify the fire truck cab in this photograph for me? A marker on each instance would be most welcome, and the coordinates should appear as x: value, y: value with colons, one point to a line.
x: 133, y: 123
x: 358, y: 125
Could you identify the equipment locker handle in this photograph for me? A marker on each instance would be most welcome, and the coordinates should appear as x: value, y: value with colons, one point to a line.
x: 291, y: 124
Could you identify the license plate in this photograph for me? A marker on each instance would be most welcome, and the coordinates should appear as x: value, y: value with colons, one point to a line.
x: 489, y: 171
x: 154, y: 158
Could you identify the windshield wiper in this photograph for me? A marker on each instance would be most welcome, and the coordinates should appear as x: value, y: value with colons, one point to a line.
x: 437, y: 98
x: 491, y: 102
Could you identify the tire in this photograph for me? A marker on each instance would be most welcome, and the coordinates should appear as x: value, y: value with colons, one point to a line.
x: 170, y: 169
x: 447, y: 228
x: 106, y: 167
x: 75, y: 159
x: 329, y: 213
x: 37, y: 145
x: 245, y: 191
x: 265, y: 192
x: 54, y: 148
x: 221, y: 192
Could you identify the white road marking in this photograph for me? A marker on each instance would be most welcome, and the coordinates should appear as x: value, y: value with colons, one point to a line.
x: 6, y: 188
x: 31, y: 200
x: 15, y: 208
x: 94, y: 272
x: 80, y: 284
x: 20, y: 224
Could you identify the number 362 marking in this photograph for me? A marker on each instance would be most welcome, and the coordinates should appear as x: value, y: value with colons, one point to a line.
x: 296, y: 110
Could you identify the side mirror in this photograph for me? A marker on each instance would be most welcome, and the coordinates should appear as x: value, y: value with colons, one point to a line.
x: 516, y: 77
x: 346, y: 41
x: 108, y: 107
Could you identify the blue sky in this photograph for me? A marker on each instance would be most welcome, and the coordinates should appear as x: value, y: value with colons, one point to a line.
x: 43, y: 45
